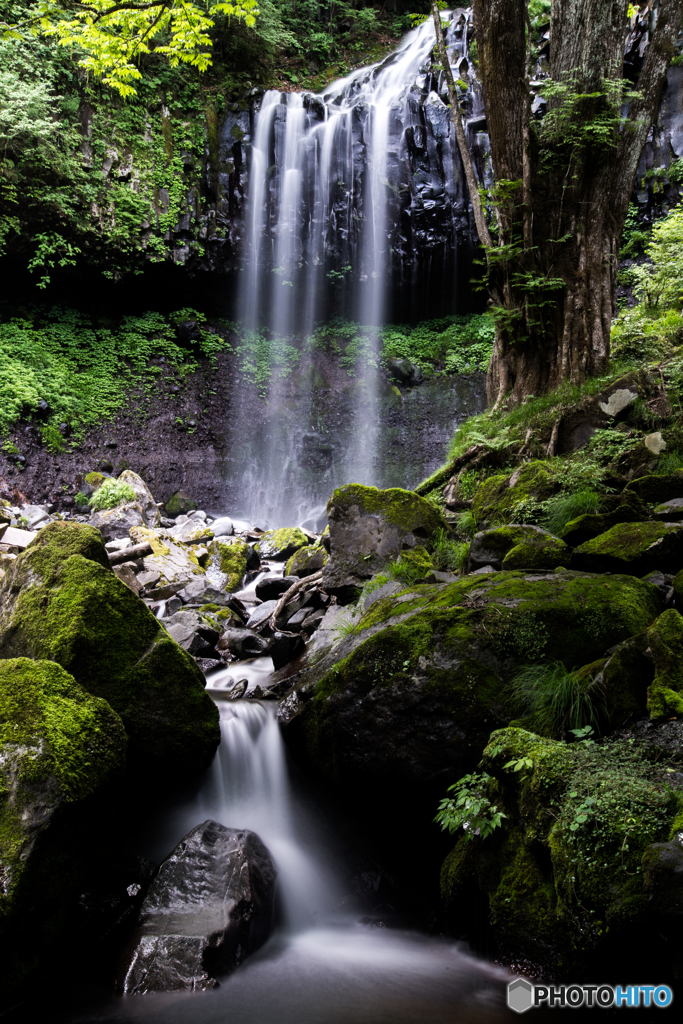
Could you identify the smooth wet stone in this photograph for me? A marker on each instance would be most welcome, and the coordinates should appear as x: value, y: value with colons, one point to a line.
x: 222, y: 527
x: 242, y: 643
x: 210, y: 906
x: 261, y: 614
x: 284, y: 648
x: 272, y: 587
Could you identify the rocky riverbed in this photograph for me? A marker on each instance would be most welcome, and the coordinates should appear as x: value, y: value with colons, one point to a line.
x: 393, y: 651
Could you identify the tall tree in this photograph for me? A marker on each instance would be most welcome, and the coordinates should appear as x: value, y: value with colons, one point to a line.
x: 562, y: 183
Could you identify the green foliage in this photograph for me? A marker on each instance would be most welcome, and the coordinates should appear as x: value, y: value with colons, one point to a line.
x: 470, y: 809
x: 558, y: 700
x: 81, y: 499
x: 658, y: 282
x: 51, y: 250
x: 110, y: 494
x: 562, y: 508
x: 448, y: 555
x: 110, y: 39
x: 634, y: 238
x: 452, y: 344
x: 83, y: 369
x: 466, y: 524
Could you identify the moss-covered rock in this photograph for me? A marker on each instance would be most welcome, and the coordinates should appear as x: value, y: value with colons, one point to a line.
x: 231, y: 559
x: 368, y: 529
x: 665, y: 638
x: 59, y: 747
x: 517, y: 546
x: 173, y: 560
x: 635, y: 548
x: 563, y: 875
x: 585, y: 527
x: 179, y: 504
x: 658, y: 488
x: 306, y: 561
x: 281, y: 544
x: 408, y: 697
x: 496, y: 497
x: 61, y: 605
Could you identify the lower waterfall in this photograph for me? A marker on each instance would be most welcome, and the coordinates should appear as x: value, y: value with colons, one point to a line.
x: 328, y: 962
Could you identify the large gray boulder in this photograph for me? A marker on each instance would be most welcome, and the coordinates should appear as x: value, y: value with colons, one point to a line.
x: 150, y: 511
x: 210, y: 906
x: 369, y: 528
x: 115, y: 523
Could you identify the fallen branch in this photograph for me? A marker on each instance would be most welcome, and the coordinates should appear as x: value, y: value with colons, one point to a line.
x: 128, y: 554
x: 299, y: 585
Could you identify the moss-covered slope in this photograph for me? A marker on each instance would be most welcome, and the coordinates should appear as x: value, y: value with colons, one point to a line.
x: 59, y: 602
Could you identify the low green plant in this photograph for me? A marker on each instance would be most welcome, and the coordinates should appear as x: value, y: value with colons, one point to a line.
x: 52, y: 439
x: 470, y: 808
x: 668, y: 462
x: 81, y: 499
x: 110, y: 494
x: 346, y: 626
x: 466, y: 524
x: 562, y: 508
x: 559, y: 700
x: 448, y: 554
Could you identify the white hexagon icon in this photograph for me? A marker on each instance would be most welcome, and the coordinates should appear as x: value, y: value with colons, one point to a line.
x: 520, y: 995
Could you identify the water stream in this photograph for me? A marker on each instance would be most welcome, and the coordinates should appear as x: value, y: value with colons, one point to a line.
x: 323, y: 965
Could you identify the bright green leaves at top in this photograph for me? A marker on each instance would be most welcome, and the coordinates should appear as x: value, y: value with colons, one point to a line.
x: 470, y: 808
x: 112, y: 37
x: 659, y: 283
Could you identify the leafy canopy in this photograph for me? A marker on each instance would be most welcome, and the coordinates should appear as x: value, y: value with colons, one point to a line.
x: 111, y: 37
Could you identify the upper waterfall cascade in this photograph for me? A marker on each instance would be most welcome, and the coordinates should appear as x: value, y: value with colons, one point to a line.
x: 351, y: 189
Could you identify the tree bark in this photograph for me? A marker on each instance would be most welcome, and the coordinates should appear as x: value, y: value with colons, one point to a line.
x: 564, y: 202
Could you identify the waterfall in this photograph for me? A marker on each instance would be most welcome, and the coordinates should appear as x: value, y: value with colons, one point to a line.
x: 356, y: 206
x: 327, y: 174
x: 249, y: 788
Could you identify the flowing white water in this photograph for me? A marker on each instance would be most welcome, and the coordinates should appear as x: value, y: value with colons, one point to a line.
x: 249, y: 788
x: 324, y: 171
x: 324, y: 965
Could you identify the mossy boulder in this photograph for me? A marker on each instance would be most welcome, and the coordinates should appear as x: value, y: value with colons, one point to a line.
x: 583, y: 528
x: 563, y: 877
x: 306, y: 561
x: 517, y: 546
x: 179, y: 504
x: 368, y: 529
x: 231, y: 558
x: 281, y: 544
x: 59, y: 602
x: 174, y: 561
x: 60, y: 747
x: 665, y: 638
x: 405, y: 701
x: 635, y: 548
x: 655, y: 488
x: 143, y: 496
x: 496, y: 498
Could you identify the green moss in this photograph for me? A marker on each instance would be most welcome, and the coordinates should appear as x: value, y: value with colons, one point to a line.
x: 95, y: 479
x: 636, y: 548
x: 281, y: 543
x: 306, y: 561
x: 541, y: 554
x: 404, y: 509
x: 67, y: 608
x: 665, y: 694
x: 497, y: 497
x: 658, y: 488
x: 232, y: 560
x: 566, y: 866
x: 179, y: 504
